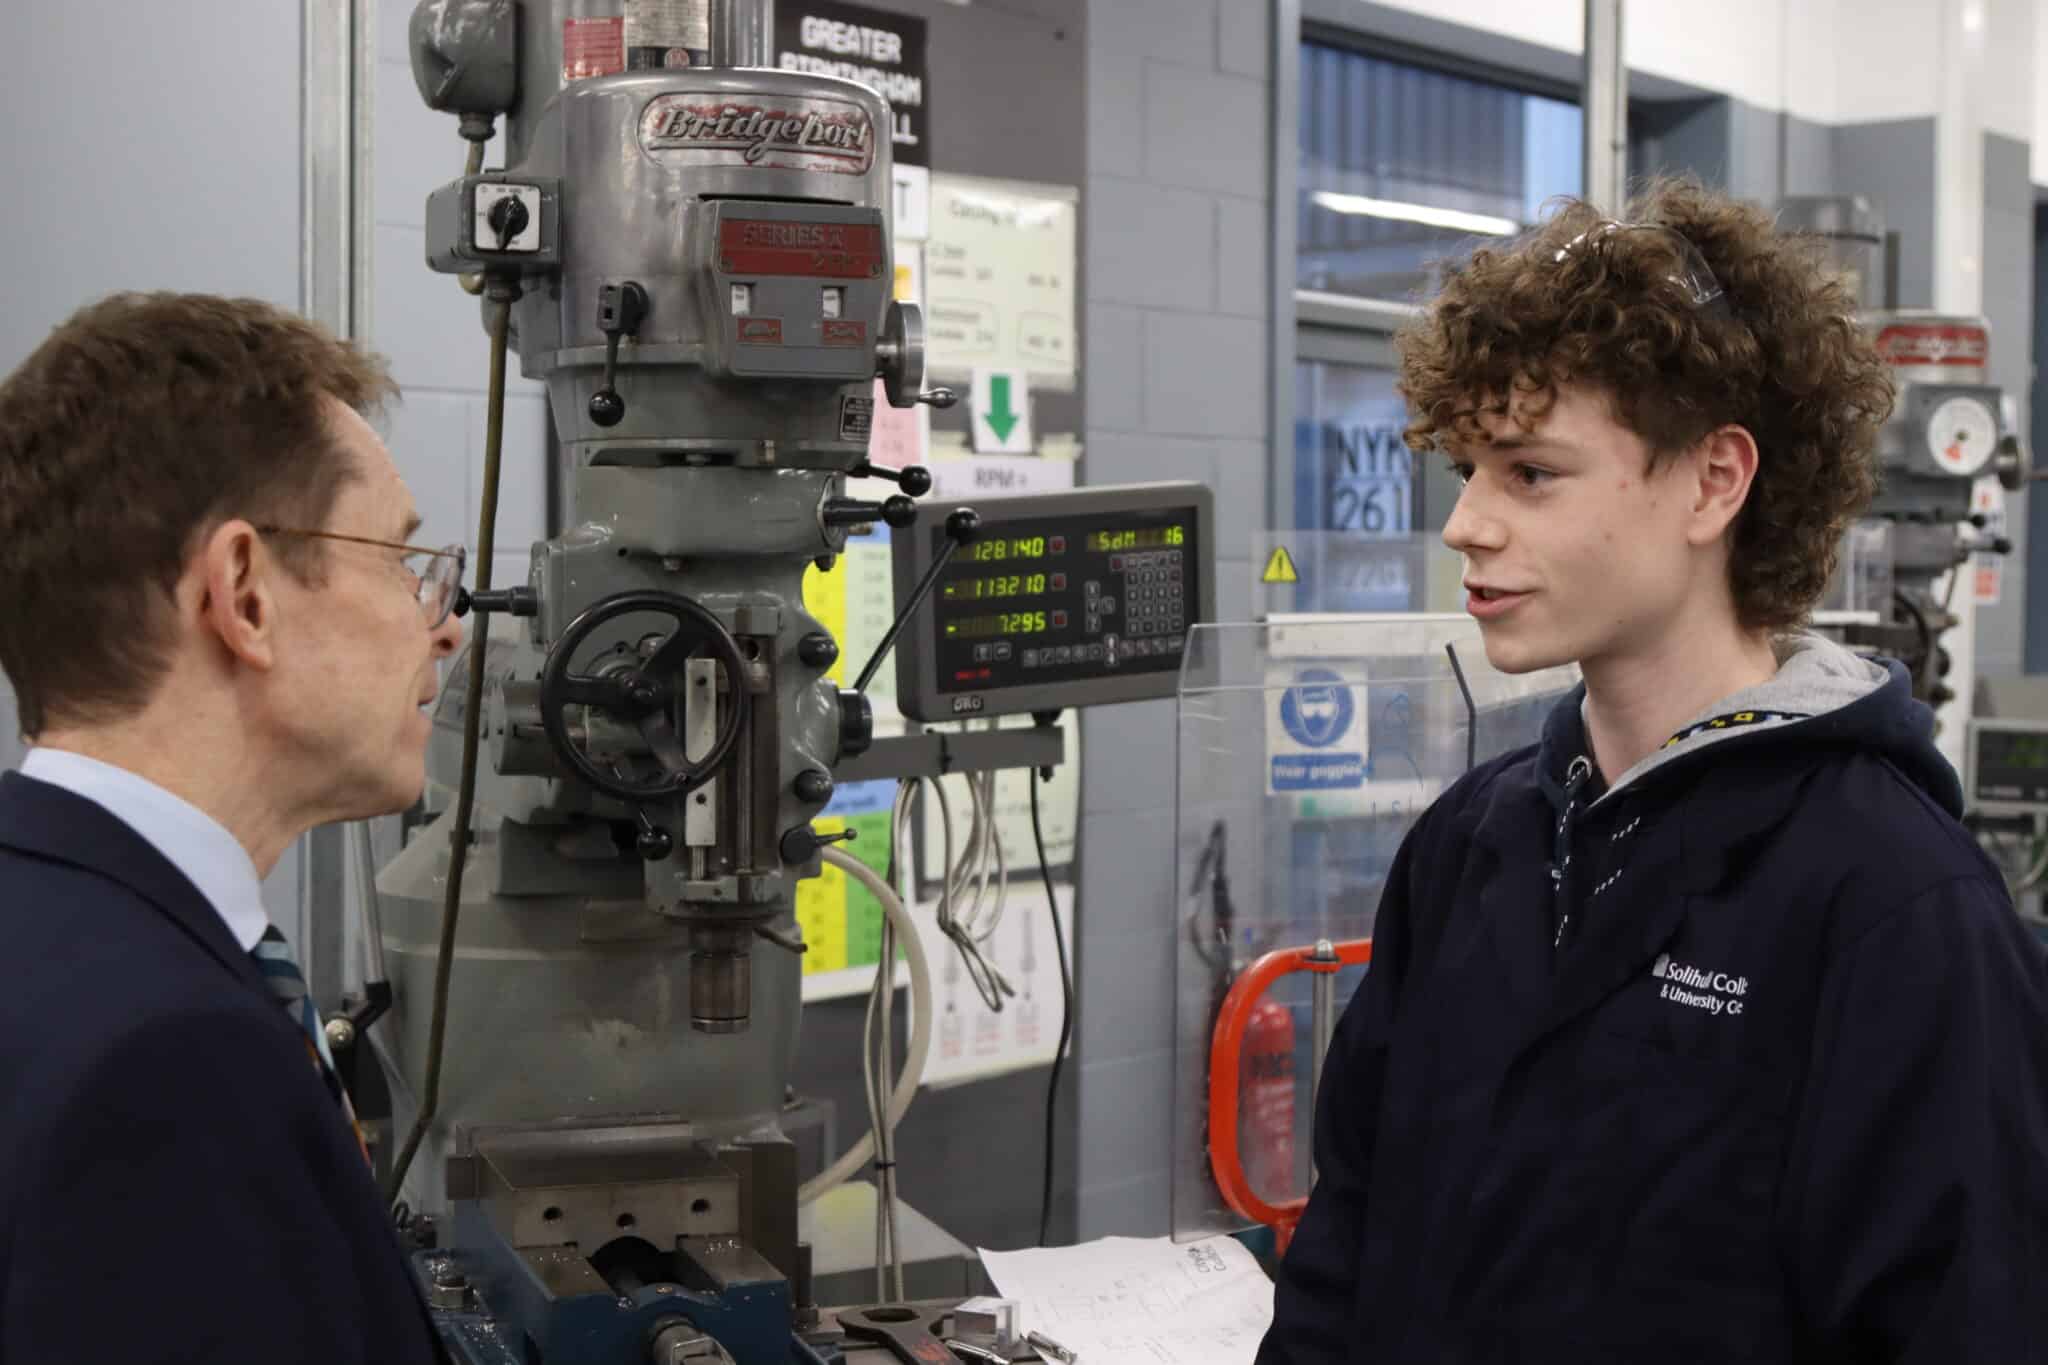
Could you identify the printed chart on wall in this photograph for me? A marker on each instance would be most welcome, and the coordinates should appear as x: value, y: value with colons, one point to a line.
x: 842, y: 921
x: 1000, y: 279
x: 1006, y: 914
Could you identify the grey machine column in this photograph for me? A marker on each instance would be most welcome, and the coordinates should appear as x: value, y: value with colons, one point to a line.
x: 697, y: 263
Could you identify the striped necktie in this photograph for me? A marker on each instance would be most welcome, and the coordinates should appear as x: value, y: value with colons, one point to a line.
x: 281, y: 972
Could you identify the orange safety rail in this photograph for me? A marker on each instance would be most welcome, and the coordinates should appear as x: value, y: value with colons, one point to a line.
x: 1225, y: 1053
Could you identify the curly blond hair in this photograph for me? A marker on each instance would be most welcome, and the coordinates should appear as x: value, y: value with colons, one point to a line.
x: 1780, y: 353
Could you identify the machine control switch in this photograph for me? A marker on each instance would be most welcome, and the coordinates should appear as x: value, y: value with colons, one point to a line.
x: 487, y: 222
x: 510, y: 222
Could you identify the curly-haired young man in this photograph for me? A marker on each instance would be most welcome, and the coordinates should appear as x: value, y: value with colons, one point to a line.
x: 1699, y: 1031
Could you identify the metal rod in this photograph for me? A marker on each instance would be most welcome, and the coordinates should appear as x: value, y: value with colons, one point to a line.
x: 918, y: 594
x: 1325, y: 995
x: 1323, y: 986
x: 740, y: 32
x: 1605, y: 101
x: 1471, y: 711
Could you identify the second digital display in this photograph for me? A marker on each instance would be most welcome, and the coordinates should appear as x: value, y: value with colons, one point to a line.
x: 1002, y: 585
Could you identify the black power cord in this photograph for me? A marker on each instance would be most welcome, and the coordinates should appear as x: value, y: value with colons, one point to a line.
x: 1059, y: 939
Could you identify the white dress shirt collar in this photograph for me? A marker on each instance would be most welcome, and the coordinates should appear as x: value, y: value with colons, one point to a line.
x: 212, y: 859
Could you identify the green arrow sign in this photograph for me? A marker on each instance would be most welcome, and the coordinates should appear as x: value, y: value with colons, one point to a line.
x: 1002, y: 419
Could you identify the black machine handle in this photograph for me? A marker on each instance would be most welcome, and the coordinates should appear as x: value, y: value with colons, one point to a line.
x: 620, y: 309
x: 962, y: 525
x: 915, y: 480
x: 897, y: 510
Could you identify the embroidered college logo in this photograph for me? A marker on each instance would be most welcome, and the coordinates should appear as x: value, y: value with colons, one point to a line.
x: 1735, y: 720
x: 1695, y: 987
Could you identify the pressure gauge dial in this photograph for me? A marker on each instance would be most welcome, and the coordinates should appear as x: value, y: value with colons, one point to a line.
x: 1962, y: 436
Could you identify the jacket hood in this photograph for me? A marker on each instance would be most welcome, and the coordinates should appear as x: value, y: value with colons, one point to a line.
x: 1822, y: 694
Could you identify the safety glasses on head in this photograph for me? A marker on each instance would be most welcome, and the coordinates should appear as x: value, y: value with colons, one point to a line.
x: 1695, y: 279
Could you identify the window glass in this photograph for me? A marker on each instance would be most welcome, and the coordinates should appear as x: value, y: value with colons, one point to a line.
x: 1402, y: 165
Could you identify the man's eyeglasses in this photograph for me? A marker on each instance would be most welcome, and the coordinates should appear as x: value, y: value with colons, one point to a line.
x: 435, y: 575
x: 1692, y: 276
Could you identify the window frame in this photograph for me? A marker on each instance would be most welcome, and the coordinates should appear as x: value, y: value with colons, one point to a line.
x: 1312, y: 325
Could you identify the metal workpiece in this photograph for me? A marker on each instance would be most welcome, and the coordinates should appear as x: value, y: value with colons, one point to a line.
x: 447, y: 1286
x: 551, y: 1189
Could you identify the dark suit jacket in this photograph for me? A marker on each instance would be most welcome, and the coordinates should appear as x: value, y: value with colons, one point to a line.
x: 176, y: 1182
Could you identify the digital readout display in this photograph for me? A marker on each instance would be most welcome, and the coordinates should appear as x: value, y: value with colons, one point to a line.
x: 1137, y: 538
x: 1062, y: 598
x: 2012, y: 765
x: 1000, y: 586
x: 1004, y: 548
x: 1002, y: 623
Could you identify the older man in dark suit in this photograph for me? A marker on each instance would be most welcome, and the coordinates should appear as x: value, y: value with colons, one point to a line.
x: 218, y: 638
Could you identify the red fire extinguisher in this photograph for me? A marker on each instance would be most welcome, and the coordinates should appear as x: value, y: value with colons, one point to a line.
x: 1266, y: 1106
x: 1265, y: 1134
x: 1253, y: 1169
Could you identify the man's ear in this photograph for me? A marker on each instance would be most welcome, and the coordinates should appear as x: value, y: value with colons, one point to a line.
x: 1725, y: 461
x: 236, y: 572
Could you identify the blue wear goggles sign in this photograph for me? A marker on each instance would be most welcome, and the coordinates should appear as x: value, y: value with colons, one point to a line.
x: 1315, y: 735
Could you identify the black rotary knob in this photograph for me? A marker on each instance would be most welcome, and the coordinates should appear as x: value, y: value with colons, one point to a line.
x: 508, y: 218
x: 818, y: 650
x: 856, y: 724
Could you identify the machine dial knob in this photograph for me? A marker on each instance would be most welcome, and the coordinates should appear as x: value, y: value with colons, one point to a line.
x: 1962, y: 436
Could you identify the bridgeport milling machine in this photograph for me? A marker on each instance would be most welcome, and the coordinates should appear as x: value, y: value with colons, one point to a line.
x: 1946, y: 431
x: 694, y: 254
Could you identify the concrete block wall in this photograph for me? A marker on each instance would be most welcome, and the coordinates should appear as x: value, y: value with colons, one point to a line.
x: 433, y: 334
x: 1176, y: 226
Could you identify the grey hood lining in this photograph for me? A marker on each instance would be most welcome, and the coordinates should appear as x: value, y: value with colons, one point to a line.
x: 1815, y: 676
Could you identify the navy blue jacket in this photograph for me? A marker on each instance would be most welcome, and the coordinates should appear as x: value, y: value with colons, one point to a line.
x: 176, y: 1182
x: 1778, y: 1092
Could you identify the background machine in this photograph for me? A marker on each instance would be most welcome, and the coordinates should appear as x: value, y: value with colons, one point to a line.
x: 1947, y: 432
x: 592, y: 955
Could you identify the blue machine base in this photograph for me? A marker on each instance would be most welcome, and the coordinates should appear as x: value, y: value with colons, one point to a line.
x: 750, y: 1321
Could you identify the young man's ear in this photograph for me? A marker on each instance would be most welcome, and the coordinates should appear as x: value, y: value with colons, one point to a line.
x: 234, y: 570
x: 1726, y: 462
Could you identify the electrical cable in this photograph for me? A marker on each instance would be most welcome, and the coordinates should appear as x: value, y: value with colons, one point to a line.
x: 989, y: 981
x: 1002, y: 867
x: 877, y: 1053
x: 858, y: 1155
x: 472, y: 718
x: 1059, y: 939
x: 874, y: 1066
